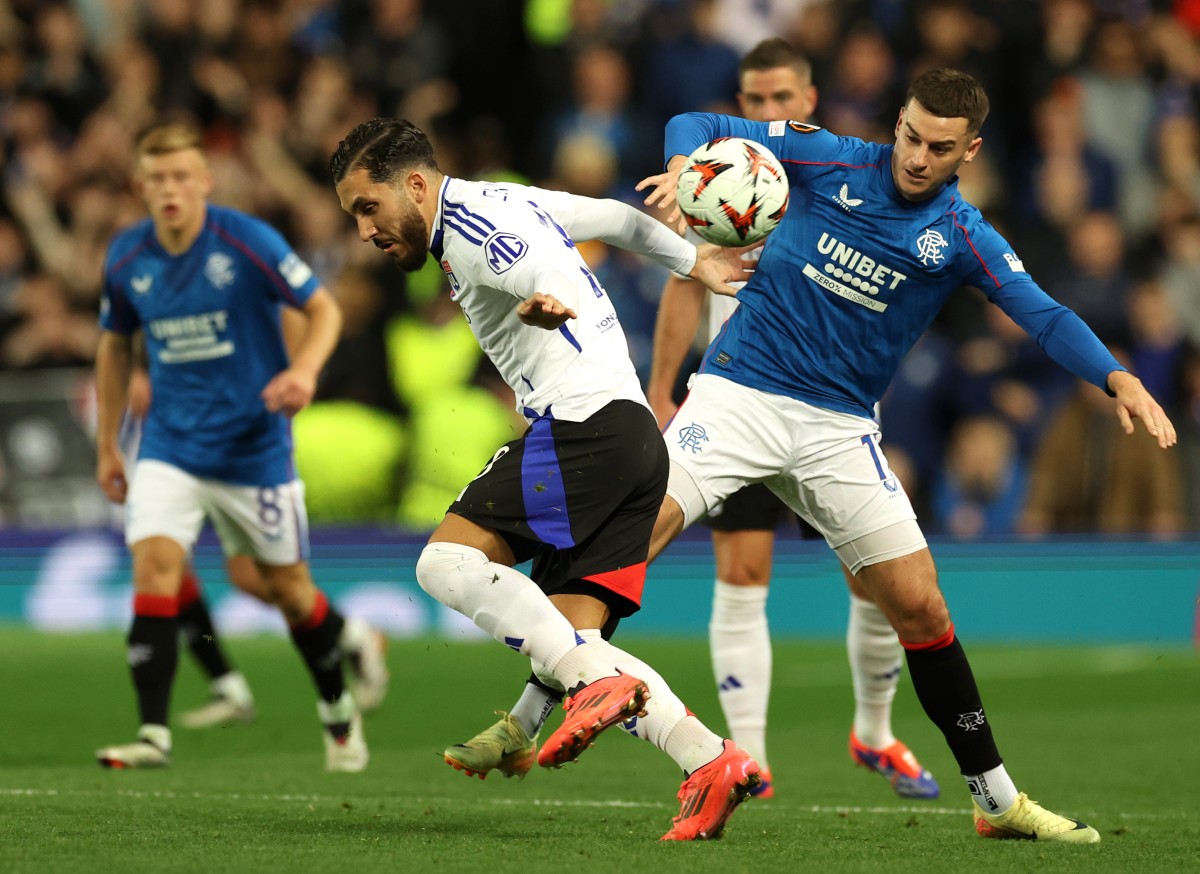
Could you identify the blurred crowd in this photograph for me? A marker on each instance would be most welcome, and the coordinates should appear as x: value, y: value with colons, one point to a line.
x: 1091, y: 167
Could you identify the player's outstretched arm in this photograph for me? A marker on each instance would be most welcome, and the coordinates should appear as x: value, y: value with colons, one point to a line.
x: 292, y: 390
x: 1134, y: 402
x: 113, y: 363
x: 674, y: 330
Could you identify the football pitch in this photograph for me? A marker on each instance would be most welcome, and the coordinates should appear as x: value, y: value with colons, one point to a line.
x: 1106, y: 734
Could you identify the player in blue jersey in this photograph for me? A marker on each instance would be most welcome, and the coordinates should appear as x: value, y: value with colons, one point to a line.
x: 205, y: 285
x: 874, y: 240
x: 776, y: 83
x: 579, y: 491
x: 230, y: 698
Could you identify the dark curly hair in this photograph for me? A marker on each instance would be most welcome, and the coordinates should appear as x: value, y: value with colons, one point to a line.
x: 383, y: 147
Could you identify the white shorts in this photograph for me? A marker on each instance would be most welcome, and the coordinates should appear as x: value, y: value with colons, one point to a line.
x: 826, y: 466
x: 268, y: 523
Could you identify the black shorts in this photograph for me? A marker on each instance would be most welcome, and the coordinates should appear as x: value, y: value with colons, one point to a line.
x: 580, y: 499
x: 754, y: 508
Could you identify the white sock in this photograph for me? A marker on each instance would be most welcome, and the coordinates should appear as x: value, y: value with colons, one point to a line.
x: 232, y: 687
x: 994, y: 791
x: 740, y: 643
x: 510, y: 607
x: 875, y: 661
x: 532, y: 708
x: 667, y: 723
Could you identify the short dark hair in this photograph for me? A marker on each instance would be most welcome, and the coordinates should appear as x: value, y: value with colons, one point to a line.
x: 383, y: 147
x: 772, y: 53
x: 950, y: 94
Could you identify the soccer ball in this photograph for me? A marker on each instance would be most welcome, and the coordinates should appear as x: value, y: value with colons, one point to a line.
x: 733, y: 192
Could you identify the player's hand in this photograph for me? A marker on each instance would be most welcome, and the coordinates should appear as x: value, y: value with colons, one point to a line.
x: 663, y: 193
x: 544, y: 311
x: 110, y: 474
x: 289, y: 391
x: 1134, y: 402
x: 718, y: 266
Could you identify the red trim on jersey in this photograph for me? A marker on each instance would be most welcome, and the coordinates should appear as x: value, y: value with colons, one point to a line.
x: 627, y: 582
x: 189, y: 589
x: 125, y: 259
x: 259, y: 263
x: 158, y: 606
x: 986, y: 269
x: 319, y: 611
x: 930, y: 645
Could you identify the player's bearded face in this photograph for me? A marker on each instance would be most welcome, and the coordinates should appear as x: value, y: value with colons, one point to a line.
x: 929, y: 150
x: 409, y: 237
x: 387, y: 217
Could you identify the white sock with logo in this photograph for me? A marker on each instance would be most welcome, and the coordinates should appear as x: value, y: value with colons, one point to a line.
x: 740, y: 643
x: 994, y: 791
x: 876, y: 658
x: 510, y: 607
x: 532, y: 708
x: 667, y: 723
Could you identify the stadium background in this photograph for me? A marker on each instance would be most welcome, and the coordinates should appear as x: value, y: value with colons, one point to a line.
x: 1091, y: 166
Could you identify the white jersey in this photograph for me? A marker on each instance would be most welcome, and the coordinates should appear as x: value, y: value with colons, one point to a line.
x: 500, y: 243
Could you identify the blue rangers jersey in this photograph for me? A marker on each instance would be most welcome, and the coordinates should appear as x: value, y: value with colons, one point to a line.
x: 211, y: 321
x: 855, y: 273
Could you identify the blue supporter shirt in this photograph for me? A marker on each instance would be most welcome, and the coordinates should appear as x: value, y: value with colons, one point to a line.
x: 211, y: 321
x: 855, y: 273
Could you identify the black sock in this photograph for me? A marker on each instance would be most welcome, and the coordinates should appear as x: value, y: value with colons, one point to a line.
x: 197, y: 626
x: 318, y: 643
x: 153, y: 654
x: 946, y: 688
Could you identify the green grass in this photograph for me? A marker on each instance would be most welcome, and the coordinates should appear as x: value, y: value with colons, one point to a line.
x: 1107, y: 734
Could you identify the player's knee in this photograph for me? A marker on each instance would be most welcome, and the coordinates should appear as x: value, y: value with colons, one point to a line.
x: 442, y: 570
x: 747, y: 573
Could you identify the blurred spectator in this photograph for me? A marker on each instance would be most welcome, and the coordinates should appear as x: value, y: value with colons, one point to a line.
x: 401, y: 56
x: 1156, y: 342
x: 63, y: 72
x: 1093, y: 279
x: 602, y: 107
x: 743, y: 24
x: 1116, y: 85
x: 864, y: 95
x: 1003, y: 372
x: 692, y: 70
x: 1180, y: 274
x: 46, y: 332
x: 1062, y: 177
x: 1089, y: 475
x: 982, y: 484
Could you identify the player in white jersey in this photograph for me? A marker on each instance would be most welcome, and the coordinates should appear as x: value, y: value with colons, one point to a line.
x: 579, y: 491
x: 875, y: 239
x: 776, y: 83
x: 204, y: 285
